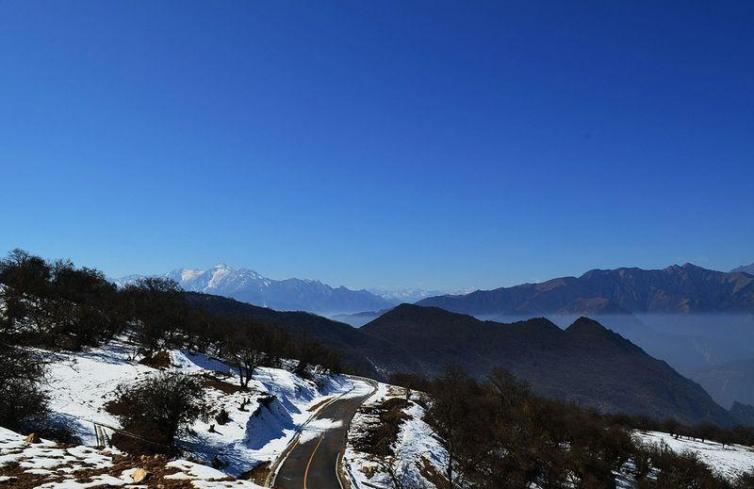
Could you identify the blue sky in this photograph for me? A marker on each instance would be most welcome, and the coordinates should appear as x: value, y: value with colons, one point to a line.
x: 433, y: 144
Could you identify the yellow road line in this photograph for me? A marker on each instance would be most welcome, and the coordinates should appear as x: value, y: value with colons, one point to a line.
x: 309, y: 464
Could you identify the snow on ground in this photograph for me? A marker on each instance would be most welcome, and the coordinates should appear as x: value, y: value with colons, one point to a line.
x: 416, y: 447
x: 275, y: 407
x: 730, y: 461
x: 47, y: 465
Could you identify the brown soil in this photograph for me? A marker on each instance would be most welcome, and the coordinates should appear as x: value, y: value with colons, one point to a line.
x: 161, y: 359
x: 429, y: 472
x: 258, y: 474
x: 155, y: 465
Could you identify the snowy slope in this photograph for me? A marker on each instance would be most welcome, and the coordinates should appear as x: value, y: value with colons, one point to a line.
x: 80, y: 384
x: 416, y: 449
x: 48, y: 465
x: 729, y: 461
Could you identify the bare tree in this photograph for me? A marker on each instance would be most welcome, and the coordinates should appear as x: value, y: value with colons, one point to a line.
x: 243, y: 353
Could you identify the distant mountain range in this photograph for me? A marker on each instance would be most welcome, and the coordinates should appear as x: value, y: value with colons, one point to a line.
x: 406, y: 295
x: 700, y: 321
x: 675, y: 289
x: 585, y: 363
x: 288, y: 295
x: 746, y: 269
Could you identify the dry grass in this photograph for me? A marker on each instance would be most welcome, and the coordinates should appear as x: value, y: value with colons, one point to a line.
x: 210, y: 381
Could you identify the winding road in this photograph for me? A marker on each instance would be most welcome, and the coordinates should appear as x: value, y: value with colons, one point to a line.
x: 312, y: 464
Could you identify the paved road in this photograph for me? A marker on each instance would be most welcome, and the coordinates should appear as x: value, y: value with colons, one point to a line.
x: 311, y: 465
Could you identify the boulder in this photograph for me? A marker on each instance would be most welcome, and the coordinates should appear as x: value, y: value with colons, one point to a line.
x: 140, y: 475
x: 32, y: 438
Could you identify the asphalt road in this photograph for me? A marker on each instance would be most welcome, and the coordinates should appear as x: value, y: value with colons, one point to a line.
x: 311, y: 465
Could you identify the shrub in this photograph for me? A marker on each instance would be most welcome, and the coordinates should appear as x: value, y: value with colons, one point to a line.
x: 21, y: 399
x: 222, y: 417
x: 158, y: 409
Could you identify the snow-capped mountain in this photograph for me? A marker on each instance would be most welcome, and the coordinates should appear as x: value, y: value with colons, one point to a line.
x: 289, y: 295
x: 410, y: 295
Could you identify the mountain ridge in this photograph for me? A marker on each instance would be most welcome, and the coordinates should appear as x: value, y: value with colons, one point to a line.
x: 676, y: 289
x: 745, y: 269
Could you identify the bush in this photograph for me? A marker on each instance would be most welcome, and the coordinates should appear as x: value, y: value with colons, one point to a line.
x: 222, y: 417
x: 158, y: 409
x: 21, y: 399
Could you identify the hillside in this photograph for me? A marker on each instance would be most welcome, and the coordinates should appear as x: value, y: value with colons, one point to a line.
x: 586, y: 363
x: 365, y: 354
x: 729, y: 382
x: 675, y: 289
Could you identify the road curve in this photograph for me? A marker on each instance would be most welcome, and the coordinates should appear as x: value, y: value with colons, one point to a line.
x: 312, y: 464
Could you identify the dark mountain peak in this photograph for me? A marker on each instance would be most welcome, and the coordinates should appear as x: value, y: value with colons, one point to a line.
x: 540, y: 323
x: 592, y: 331
x: 412, y: 310
x: 585, y: 325
x: 688, y: 268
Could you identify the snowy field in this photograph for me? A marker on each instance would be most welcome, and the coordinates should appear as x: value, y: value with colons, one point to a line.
x: 80, y: 384
x: 729, y: 461
x: 416, y: 448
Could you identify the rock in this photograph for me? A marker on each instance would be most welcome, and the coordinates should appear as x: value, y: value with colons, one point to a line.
x: 140, y: 475
x: 32, y: 438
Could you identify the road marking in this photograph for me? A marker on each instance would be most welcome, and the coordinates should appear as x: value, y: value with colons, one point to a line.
x: 309, y: 463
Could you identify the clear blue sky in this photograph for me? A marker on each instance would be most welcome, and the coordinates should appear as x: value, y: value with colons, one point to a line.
x: 449, y: 145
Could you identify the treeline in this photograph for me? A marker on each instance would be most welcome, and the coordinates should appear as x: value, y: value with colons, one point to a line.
x: 55, y: 305
x: 500, y: 435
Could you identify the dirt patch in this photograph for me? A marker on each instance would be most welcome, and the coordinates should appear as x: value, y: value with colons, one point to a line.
x: 140, y: 446
x: 258, y: 474
x: 22, y: 480
x: 116, y: 407
x: 155, y: 465
x: 319, y: 404
x: 378, y: 438
x: 429, y: 472
x: 210, y: 381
